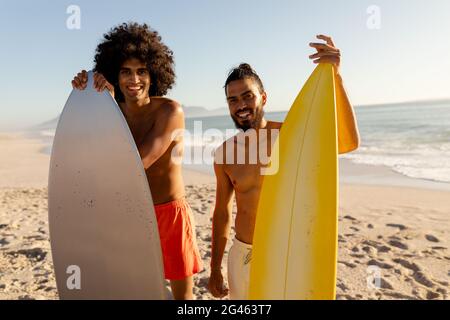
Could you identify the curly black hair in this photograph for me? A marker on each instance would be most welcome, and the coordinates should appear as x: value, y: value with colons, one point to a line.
x: 133, y: 40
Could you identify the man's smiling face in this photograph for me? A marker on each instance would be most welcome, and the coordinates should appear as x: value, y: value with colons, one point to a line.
x: 134, y: 80
x: 246, y: 103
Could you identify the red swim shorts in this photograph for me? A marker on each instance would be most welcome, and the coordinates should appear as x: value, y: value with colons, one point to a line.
x: 178, y: 243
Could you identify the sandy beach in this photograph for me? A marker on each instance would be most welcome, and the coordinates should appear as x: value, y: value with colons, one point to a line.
x: 398, y: 233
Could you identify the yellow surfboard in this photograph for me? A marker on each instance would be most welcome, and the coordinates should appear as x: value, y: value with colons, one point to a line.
x: 295, y: 241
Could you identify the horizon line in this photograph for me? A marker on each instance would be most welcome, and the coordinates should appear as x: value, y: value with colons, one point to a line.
x: 406, y: 102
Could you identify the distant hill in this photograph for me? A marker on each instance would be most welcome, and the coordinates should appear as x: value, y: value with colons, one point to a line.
x: 189, y: 112
x: 195, y: 112
x: 51, y: 124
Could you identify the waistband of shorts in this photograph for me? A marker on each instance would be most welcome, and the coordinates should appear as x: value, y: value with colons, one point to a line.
x: 172, y: 204
x: 241, y: 245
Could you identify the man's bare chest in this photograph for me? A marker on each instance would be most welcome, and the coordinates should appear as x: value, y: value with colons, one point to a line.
x: 140, y: 129
x: 244, y: 177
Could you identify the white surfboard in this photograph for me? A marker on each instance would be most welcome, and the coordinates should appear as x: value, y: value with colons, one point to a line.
x: 103, y: 230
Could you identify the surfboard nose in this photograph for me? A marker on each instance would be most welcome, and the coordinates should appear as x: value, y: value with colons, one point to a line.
x: 90, y: 82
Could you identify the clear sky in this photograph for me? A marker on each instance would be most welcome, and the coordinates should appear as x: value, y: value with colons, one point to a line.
x: 400, y: 54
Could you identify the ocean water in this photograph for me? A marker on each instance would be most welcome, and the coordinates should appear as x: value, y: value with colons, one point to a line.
x: 412, y: 139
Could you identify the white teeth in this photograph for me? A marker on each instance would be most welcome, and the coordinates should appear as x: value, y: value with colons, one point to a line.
x: 243, y: 115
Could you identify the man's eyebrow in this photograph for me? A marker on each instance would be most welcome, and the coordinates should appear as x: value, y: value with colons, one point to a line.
x: 242, y: 94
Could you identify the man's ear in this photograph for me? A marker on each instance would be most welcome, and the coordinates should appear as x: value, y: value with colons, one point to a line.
x: 264, y: 98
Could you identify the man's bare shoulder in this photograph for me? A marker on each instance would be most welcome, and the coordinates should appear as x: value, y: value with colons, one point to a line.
x: 229, y: 141
x: 166, y: 107
x: 221, y: 151
x: 274, y: 125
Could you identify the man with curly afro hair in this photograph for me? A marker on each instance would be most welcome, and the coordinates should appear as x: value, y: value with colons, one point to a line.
x: 137, y: 68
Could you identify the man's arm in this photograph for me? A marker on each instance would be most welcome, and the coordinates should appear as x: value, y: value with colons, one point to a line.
x: 348, y: 136
x: 158, y: 140
x: 221, y: 229
x: 222, y: 216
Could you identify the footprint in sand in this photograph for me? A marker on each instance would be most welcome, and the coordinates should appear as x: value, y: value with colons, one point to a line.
x: 357, y: 255
x: 347, y: 264
x: 432, y: 295
x: 25, y: 297
x: 35, y: 237
x: 369, y: 250
x: 429, y: 253
x: 408, y: 255
x: 377, y: 245
x: 418, y: 275
x: 399, y: 296
x: 398, y: 244
x: 380, y: 264
x: 408, y: 265
x: 439, y: 248
x: 35, y: 254
x: 384, y: 284
x: 398, y: 226
x: 431, y: 238
x: 422, y: 278
x: 343, y: 287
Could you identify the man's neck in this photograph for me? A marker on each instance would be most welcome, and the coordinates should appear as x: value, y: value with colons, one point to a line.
x: 131, y: 108
x: 263, y: 124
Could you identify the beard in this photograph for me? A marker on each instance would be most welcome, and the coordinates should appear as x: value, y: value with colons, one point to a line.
x: 249, y: 124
